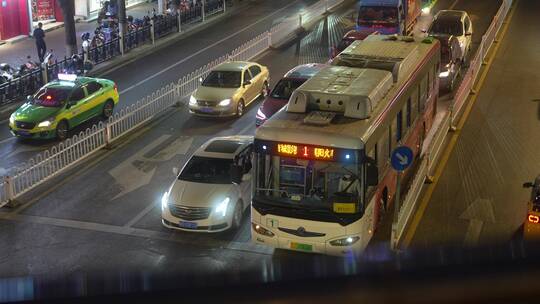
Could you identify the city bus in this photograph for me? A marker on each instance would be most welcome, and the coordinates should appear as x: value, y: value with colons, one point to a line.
x: 321, y: 176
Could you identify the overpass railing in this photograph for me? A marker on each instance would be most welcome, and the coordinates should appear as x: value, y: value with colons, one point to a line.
x: 65, y: 155
x: 440, y: 131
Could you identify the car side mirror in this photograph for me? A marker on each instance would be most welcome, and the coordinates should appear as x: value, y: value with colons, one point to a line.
x: 247, y: 82
x: 528, y: 185
x: 69, y: 104
x: 176, y: 171
x: 236, y: 174
x: 372, y: 172
x: 28, y: 97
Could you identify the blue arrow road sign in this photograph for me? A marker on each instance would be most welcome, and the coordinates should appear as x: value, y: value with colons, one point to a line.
x: 402, y: 158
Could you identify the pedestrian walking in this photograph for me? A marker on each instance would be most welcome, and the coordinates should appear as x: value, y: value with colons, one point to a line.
x: 39, y: 35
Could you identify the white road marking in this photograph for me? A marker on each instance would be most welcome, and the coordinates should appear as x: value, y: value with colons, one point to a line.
x: 7, y: 139
x: 139, y: 232
x: 453, y: 5
x: 204, y: 49
x: 477, y: 213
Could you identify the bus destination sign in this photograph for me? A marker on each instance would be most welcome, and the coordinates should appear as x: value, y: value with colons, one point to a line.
x: 311, y: 152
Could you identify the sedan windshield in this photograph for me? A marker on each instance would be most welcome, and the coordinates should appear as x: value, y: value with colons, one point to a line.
x: 207, y: 170
x: 223, y: 79
x: 51, y: 97
x: 285, y: 87
x: 446, y: 27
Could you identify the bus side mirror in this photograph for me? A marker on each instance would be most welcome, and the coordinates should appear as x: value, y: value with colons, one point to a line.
x: 236, y: 174
x: 527, y: 185
x: 372, y: 173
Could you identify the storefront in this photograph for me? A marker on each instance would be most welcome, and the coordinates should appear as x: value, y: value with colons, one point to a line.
x: 88, y: 9
x: 19, y: 17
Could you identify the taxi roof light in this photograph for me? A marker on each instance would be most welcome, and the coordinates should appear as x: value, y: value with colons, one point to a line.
x: 67, y: 77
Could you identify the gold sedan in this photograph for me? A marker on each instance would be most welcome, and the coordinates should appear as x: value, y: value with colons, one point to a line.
x: 229, y: 89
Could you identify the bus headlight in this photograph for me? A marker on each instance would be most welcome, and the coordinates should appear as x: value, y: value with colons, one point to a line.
x: 164, y: 200
x: 261, y: 230
x: 192, y: 100
x: 221, y: 208
x: 345, y: 241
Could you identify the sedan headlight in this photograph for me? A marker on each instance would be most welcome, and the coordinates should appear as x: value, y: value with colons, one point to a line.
x: 164, y: 200
x: 46, y: 123
x: 345, y: 241
x: 225, y: 102
x: 192, y: 100
x: 12, y: 119
x: 221, y: 208
x: 444, y: 74
x: 260, y: 230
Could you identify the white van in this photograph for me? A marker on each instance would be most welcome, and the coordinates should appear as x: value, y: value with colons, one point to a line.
x: 213, y: 189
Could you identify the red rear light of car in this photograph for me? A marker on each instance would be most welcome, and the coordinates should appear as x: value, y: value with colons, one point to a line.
x: 533, y: 218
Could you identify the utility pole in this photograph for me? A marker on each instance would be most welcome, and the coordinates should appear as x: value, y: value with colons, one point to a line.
x: 122, y: 22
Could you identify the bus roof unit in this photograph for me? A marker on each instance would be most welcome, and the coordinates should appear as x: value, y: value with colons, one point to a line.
x: 376, y: 52
x: 351, y: 91
x: 391, y: 3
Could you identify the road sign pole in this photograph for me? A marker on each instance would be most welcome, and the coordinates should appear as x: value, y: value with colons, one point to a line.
x: 398, y: 197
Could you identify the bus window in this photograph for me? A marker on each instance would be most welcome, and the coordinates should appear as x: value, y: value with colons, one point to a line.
x: 383, y: 151
x: 414, y: 104
x: 399, y: 126
x: 408, y: 112
x: 423, y: 94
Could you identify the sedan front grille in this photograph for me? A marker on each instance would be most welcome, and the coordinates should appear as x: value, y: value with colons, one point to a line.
x: 189, y: 213
x: 207, y: 103
x: 25, y: 125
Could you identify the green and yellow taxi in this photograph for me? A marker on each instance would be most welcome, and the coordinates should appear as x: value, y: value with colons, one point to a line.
x: 63, y: 104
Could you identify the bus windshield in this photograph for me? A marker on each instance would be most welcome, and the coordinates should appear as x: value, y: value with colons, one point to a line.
x: 306, y: 184
x: 377, y: 14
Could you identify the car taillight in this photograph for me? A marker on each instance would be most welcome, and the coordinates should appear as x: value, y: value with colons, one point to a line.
x: 115, y: 88
x: 533, y: 218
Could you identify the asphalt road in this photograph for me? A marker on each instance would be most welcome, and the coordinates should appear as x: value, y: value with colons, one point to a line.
x: 105, y: 214
x: 144, y: 76
x: 478, y: 198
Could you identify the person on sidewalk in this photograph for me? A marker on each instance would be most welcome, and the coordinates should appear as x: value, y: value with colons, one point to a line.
x: 39, y: 35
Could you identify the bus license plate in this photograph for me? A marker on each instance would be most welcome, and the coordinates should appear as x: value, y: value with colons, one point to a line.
x: 187, y: 225
x: 300, y: 246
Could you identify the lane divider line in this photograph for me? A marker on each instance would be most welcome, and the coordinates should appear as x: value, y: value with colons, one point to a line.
x: 205, y: 49
x: 455, y: 135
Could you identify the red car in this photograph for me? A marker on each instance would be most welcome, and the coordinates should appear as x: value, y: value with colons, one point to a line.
x: 349, y: 38
x: 279, y: 96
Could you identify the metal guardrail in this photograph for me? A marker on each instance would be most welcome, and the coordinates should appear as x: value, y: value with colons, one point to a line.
x: 428, y: 161
x: 18, y: 88
x: 65, y: 155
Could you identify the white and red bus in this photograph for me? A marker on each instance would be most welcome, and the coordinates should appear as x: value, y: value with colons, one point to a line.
x: 321, y: 165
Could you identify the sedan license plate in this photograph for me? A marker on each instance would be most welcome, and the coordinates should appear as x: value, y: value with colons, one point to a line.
x: 302, y: 247
x: 187, y: 225
x: 207, y: 110
x: 23, y: 133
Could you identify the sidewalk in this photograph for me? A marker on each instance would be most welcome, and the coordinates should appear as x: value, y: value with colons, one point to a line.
x: 15, y: 54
